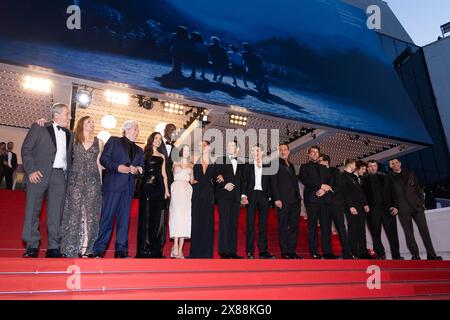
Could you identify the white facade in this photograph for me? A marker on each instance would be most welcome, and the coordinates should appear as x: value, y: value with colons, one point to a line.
x: 437, y: 56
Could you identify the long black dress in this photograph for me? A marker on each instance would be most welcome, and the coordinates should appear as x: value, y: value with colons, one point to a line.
x: 150, y: 235
x: 202, y: 229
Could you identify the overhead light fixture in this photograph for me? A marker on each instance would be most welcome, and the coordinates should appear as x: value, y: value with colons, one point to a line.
x: 171, y: 107
x: 238, y: 120
x: 109, y: 121
x: 104, y: 135
x: 37, y: 84
x: 145, y: 102
x: 84, y: 97
x: 116, y: 97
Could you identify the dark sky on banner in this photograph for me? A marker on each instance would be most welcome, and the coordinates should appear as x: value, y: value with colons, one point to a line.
x: 320, y: 62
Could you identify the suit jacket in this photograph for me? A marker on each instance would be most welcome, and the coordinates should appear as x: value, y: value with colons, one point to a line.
x: 313, y: 176
x: 284, y: 184
x: 39, y: 150
x: 13, y: 160
x: 353, y: 192
x: 386, y: 192
x: 335, y: 197
x: 248, y: 181
x: 115, y: 153
x: 405, y: 193
x: 225, y: 168
x: 169, y: 162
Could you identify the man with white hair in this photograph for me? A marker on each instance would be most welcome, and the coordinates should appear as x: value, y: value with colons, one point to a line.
x: 123, y: 160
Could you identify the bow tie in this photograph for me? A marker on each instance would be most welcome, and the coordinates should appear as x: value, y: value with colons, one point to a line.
x: 169, y: 143
x: 61, y: 128
x: 233, y: 158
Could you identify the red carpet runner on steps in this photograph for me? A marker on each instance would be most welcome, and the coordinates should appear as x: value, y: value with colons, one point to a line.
x: 203, y: 279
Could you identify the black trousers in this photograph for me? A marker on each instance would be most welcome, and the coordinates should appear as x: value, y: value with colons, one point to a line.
x: 380, y: 217
x: 257, y: 201
x: 7, y: 172
x: 318, y: 211
x: 357, y: 232
x: 406, y: 219
x: 288, y: 220
x: 337, y: 216
x: 228, y: 225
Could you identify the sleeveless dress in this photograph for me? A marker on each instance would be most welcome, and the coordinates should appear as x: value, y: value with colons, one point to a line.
x: 150, y: 234
x: 82, y: 205
x: 180, y: 203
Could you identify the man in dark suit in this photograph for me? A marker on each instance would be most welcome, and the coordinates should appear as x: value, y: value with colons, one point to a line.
x: 256, y: 192
x: 10, y: 165
x: 409, y: 204
x: 228, y: 195
x: 123, y: 160
x: 356, y: 208
x: 286, y: 196
x: 316, y: 179
x: 3, y: 160
x: 381, y: 211
x: 47, y: 155
x: 335, y: 206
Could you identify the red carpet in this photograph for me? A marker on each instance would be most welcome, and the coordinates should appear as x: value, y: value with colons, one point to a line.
x: 204, y: 279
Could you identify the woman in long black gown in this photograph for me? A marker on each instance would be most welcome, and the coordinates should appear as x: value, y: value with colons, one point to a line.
x: 153, y: 191
x: 202, y: 227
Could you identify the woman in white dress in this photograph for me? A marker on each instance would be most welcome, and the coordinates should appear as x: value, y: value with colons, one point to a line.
x: 180, y: 204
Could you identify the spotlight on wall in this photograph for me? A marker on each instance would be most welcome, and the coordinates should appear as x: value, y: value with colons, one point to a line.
x: 37, y: 84
x: 173, y: 108
x: 84, y: 97
x: 238, y: 120
x: 116, y: 97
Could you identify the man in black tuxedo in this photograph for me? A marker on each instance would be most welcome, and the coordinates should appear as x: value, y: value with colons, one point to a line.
x: 409, y: 203
x: 381, y: 212
x: 356, y: 208
x: 228, y: 194
x: 286, y: 196
x: 335, y: 206
x: 256, y: 192
x: 316, y: 179
x: 170, y: 152
x: 10, y: 165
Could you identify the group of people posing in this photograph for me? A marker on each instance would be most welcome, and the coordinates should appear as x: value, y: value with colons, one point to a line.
x: 90, y: 185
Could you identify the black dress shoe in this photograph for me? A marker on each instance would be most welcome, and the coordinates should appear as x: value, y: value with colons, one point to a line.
x: 31, y: 253
x: 398, y: 258
x: 266, y: 255
x: 316, y: 256
x: 250, y: 255
x: 415, y: 257
x: 54, y: 253
x: 296, y: 256
x: 121, y: 255
x: 433, y: 257
x: 287, y: 256
x: 330, y: 256
x: 381, y: 256
x: 225, y: 256
x: 235, y: 256
x: 366, y: 256
x: 349, y: 257
x: 99, y: 254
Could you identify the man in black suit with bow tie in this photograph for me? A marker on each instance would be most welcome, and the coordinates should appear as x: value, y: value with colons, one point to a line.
x: 47, y: 155
x: 256, y: 193
x: 228, y: 194
x: 286, y: 196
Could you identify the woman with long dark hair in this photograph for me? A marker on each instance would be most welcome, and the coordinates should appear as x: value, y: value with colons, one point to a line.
x: 80, y: 224
x: 153, y: 191
x: 202, y: 226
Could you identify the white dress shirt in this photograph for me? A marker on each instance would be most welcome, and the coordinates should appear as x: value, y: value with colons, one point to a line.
x: 168, y: 146
x: 258, y: 178
x: 61, y: 151
x: 233, y: 163
x: 9, y: 159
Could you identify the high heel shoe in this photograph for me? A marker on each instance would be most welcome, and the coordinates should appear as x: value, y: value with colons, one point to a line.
x: 172, y: 253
